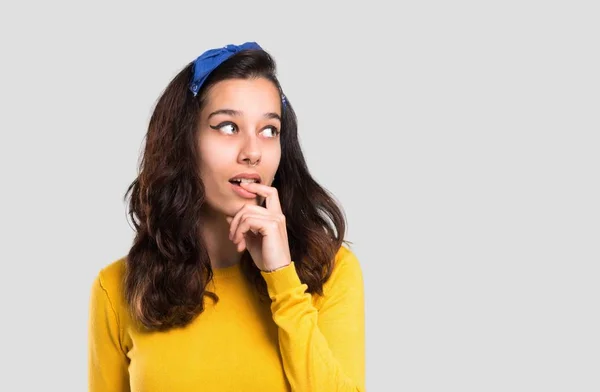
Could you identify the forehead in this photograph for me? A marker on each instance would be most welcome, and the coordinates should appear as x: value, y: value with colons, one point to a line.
x: 257, y: 94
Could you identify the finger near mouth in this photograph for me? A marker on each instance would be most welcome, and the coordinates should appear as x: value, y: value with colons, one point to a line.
x: 242, y: 191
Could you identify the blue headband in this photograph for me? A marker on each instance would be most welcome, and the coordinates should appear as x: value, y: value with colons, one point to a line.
x: 212, y: 58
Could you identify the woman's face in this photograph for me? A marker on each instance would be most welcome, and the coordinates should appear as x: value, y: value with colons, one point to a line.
x: 238, y: 135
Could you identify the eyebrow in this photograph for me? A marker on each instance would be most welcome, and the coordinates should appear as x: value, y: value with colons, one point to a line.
x: 232, y: 112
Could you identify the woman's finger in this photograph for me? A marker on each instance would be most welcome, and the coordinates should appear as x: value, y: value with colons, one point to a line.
x: 258, y: 224
x: 247, y: 209
x: 268, y: 192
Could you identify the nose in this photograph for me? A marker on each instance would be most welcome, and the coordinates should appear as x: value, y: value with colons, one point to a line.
x: 250, y: 153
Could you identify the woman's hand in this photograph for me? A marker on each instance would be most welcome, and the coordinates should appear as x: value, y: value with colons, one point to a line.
x: 262, y: 230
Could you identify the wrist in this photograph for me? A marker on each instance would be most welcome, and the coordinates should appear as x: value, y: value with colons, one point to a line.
x: 268, y: 269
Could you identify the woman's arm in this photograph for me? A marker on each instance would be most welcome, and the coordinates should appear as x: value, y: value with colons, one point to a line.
x: 107, y: 362
x: 322, y: 346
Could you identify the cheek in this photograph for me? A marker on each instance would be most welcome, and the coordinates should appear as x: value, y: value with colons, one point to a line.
x: 272, y: 152
x: 214, y: 159
x: 210, y: 173
x: 272, y: 163
x: 277, y: 157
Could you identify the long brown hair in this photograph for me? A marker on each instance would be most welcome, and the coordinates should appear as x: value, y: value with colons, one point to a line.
x: 168, y: 267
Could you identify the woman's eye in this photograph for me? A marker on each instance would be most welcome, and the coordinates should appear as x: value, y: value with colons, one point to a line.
x: 225, y: 127
x: 273, y: 131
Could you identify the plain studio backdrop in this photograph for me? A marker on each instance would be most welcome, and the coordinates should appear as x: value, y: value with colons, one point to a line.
x: 462, y: 139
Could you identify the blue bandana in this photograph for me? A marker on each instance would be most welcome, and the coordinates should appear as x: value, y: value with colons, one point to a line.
x: 211, y: 59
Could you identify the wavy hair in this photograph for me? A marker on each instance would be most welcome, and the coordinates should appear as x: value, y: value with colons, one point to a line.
x: 168, y: 266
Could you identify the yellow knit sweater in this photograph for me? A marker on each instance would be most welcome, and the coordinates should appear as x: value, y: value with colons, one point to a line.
x: 298, y: 342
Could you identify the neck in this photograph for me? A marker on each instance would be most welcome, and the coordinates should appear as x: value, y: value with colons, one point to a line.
x: 215, y: 232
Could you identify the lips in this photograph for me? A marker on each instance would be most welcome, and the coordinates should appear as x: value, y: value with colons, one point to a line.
x: 237, y: 188
x: 245, y: 177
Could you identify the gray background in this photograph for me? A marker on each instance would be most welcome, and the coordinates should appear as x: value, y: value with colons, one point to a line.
x: 461, y: 138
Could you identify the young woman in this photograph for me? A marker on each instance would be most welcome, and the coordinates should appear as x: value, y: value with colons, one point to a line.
x: 239, y: 278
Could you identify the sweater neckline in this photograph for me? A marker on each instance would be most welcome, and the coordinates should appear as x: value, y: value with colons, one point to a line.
x: 225, y: 272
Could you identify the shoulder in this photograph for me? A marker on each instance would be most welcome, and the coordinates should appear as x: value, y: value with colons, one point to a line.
x: 109, y: 282
x: 345, y: 284
x: 111, y: 275
x: 346, y: 261
x: 345, y: 255
x: 347, y: 269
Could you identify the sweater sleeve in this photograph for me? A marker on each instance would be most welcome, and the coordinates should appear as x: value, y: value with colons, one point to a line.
x: 107, y: 361
x: 322, y: 345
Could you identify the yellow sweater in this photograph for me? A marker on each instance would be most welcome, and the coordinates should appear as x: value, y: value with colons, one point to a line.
x: 300, y: 342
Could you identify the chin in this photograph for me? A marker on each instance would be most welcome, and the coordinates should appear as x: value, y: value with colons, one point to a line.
x: 229, y: 207
x: 232, y: 208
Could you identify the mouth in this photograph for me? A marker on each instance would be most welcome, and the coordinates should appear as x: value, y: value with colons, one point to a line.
x: 237, y: 188
x: 245, y: 178
x: 238, y: 181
